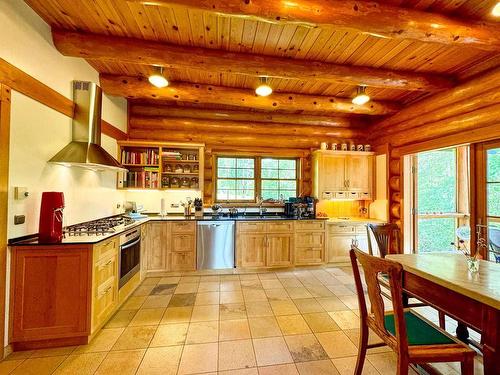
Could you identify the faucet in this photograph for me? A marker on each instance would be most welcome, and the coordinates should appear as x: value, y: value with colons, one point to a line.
x: 262, y: 210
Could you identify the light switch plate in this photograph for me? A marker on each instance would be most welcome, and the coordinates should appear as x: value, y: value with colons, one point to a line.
x: 19, y: 219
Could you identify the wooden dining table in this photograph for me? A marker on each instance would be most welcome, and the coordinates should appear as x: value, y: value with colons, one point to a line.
x: 443, y: 281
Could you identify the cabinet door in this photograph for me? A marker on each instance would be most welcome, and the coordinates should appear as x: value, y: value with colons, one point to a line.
x: 332, y: 173
x: 279, y: 250
x: 251, y: 250
x: 309, y: 255
x: 104, y: 302
x: 156, y: 253
x: 182, y: 261
x: 358, y: 173
x: 182, y: 242
x: 338, y: 247
x: 310, y: 239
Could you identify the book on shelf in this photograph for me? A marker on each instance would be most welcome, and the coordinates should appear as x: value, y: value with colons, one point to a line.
x: 142, y: 179
x: 148, y: 156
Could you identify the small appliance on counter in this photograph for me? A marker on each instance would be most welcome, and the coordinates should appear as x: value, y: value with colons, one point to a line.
x: 301, y: 208
x: 50, y: 228
x: 133, y: 211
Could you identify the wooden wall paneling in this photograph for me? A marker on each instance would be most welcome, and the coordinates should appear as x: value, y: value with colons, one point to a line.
x: 22, y: 82
x: 384, y: 20
x: 140, y: 88
x: 467, y: 90
x: 152, y: 110
x: 5, y: 96
x: 135, y: 51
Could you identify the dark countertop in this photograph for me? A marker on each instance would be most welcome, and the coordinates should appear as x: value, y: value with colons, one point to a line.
x: 94, y: 239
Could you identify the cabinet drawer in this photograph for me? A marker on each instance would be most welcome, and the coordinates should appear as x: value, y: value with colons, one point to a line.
x: 182, y: 261
x: 182, y: 242
x: 106, y: 248
x: 105, y: 269
x: 309, y: 255
x: 280, y: 226
x: 251, y: 227
x: 310, y: 239
x: 183, y: 227
x: 309, y: 225
x: 104, y: 301
x: 361, y: 229
x: 341, y: 228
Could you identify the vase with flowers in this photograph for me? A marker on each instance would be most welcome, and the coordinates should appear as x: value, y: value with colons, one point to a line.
x: 472, y: 260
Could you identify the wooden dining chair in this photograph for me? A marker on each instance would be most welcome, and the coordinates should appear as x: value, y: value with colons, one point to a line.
x: 386, y: 235
x: 413, y: 338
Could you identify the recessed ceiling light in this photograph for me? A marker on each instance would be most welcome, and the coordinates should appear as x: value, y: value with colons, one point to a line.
x: 361, y: 96
x: 158, y: 79
x: 264, y: 89
x: 496, y: 10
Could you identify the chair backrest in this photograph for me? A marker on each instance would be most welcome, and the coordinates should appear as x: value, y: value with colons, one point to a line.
x: 373, y: 268
x: 385, y: 235
x: 494, y: 238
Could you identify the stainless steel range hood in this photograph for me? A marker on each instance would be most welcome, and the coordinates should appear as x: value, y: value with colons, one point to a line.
x: 85, y: 149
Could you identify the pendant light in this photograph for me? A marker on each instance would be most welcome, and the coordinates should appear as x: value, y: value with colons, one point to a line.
x: 158, y: 79
x: 264, y: 89
x: 361, y: 96
x: 496, y: 10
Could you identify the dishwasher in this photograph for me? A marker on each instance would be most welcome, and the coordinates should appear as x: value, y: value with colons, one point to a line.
x: 215, y: 244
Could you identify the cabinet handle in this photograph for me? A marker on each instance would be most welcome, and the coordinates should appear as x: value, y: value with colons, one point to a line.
x: 109, y: 262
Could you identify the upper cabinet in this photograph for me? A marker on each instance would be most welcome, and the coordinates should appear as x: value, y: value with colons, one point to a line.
x: 343, y: 174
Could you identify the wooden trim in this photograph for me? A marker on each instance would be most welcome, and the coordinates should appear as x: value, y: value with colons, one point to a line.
x: 5, y: 96
x: 22, y: 82
x: 33, y: 88
x: 139, y: 88
x: 152, y: 53
x: 366, y: 17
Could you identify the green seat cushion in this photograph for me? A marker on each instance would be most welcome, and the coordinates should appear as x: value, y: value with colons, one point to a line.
x: 419, y: 331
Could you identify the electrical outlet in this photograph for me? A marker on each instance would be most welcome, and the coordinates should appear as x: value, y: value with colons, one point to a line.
x: 19, y: 219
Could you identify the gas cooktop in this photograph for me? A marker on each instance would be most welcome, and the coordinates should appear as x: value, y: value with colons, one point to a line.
x: 98, y: 227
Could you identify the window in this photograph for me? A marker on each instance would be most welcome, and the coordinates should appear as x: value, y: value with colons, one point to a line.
x: 278, y: 178
x: 235, y: 179
x: 243, y: 179
x: 440, y: 198
x: 493, y: 202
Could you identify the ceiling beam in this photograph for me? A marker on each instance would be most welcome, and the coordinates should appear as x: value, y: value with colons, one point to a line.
x: 137, y: 51
x: 140, y: 88
x: 225, y: 115
x: 367, y: 17
x: 160, y: 123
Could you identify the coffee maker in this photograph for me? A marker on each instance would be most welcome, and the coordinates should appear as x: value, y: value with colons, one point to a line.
x: 301, y: 208
x: 50, y: 228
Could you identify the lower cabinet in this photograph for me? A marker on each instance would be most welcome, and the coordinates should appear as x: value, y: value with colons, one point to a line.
x: 309, y: 242
x: 340, y: 239
x: 170, y: 246
x: 260, y: 245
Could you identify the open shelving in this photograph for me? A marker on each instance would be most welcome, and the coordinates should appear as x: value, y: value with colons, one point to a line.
x: 161, y: 166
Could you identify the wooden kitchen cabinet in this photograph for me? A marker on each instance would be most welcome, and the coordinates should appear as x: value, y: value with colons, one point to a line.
x: 279, y: 250
x: 251, y: 250
x: 50, y: 299
x: 309, y: 242
x: 156, y: 254
x: 182, y: 261
x: 340, y: 239
x: 342, y: 174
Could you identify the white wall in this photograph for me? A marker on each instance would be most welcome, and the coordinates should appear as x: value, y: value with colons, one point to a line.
x: 38, y: 132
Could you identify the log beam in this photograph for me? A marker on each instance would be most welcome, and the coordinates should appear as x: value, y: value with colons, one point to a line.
x: 140, y: 88
x: 135, y: 51
x: 141, y: 110
x: 244, y: 140
x: 367, y: 17
x: 193, y: 126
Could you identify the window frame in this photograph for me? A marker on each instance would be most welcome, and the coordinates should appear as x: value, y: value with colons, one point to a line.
x: 462, y: 194
x: 257, y: 175
x: 216, y: 177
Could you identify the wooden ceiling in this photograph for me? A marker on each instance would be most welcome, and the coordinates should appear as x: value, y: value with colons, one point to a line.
x: 452, y: 41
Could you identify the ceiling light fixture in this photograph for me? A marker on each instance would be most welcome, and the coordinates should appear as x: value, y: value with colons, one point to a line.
x: 264, y: 89
x: 158, y: 79
x: 496, y: 10
x: 361, y: 96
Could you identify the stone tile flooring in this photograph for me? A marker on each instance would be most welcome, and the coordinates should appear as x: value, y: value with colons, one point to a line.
x: 291, y: 322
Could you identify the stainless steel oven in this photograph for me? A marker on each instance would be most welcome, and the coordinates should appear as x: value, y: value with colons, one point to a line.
x: 130, y: 255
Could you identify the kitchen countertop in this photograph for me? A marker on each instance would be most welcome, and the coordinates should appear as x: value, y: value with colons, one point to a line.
x: 94, y: 239
x: 354, y: 220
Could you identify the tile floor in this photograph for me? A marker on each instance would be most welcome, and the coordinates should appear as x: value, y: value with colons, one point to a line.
x: 295, y: 322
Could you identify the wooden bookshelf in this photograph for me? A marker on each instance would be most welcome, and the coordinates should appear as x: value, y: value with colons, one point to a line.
x: 161, y: 166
